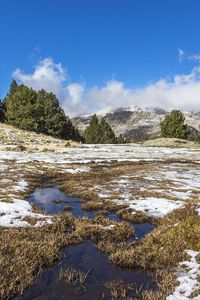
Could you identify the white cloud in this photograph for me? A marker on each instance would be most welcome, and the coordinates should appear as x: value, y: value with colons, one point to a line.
x: 195, y: 57
x: 181, y: 54
x: 53, y: 78
x: 75, y: 91
x: 182, y: 91
x: 47, y: 75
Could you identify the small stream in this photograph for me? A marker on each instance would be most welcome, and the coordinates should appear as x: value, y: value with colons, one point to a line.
x: 52, y: 201
x: 84, y: 257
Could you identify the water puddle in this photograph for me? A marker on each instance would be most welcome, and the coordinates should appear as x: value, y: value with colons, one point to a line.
x: 84, y: 257
x: 53, y: 201
x: 142, y: 229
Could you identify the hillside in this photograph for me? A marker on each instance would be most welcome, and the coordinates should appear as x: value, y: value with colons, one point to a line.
x: 137, y: 124
x: 12, y: 138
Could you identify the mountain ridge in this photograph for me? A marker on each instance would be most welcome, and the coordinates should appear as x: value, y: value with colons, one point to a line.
x: 138, y: 124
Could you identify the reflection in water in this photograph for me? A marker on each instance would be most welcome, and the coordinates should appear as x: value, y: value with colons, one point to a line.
x: 84, y: 257
x: 45, y: 200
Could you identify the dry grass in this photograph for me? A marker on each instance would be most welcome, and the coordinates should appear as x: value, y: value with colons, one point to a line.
x: 102, y: 229
x: 73, y: 276
x: 32, y: 221
x: 195, y: 294
x: 14, y: 139
x: 25, y: 251
x: 7, y: 200
x: 67, y: 208
x: 137, y: 217
x: 170, y: 142
x: 164, y: 247
x: 118, y: 290
x: 165, y: 285
x: 161, y: 250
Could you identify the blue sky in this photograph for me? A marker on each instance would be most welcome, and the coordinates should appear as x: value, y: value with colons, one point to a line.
x: 97, y: 42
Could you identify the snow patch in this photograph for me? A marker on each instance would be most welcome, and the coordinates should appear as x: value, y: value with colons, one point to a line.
x: 78, y: 170
x: 13, y: 213
x: 20, y: 186
x: 188, y: 278
x: 100, y: 153
x: 154, y: 207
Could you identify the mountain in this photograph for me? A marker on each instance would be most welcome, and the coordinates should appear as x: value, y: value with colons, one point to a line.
x: 138, y: 124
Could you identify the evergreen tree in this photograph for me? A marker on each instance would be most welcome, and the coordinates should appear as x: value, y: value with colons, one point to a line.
x: 53, y: 117
x: 173, y: 125
x: 1, y: 111
x: 13, y: 87
x: 100, y: 133
x: 20, y: 109
x: 92, y: 134
x: 121, y: 139
x: 107, y: 135
x: 38, y: 111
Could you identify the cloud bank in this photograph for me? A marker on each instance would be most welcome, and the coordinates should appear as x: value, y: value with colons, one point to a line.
x: 182, y: 91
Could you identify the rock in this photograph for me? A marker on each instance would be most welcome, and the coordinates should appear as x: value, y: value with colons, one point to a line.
x: 138, y: 124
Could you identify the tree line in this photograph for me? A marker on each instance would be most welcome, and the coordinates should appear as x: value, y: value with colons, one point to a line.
x: 99, y: 132
x: 40, y: 111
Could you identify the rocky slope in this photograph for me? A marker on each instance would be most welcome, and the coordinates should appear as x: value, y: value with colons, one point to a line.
x: 137, y: 124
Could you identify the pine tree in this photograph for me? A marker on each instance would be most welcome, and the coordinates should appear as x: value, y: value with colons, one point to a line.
x: 38, y: 111
x: 92, y: 133
x: 1, y: 111
x: 107, y: 135
x: 173, y: 125
x: 121, y: 139
x: 13, y: 87
x: 56, y: 122
x: 100, y: 132
x: 20, y: 108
